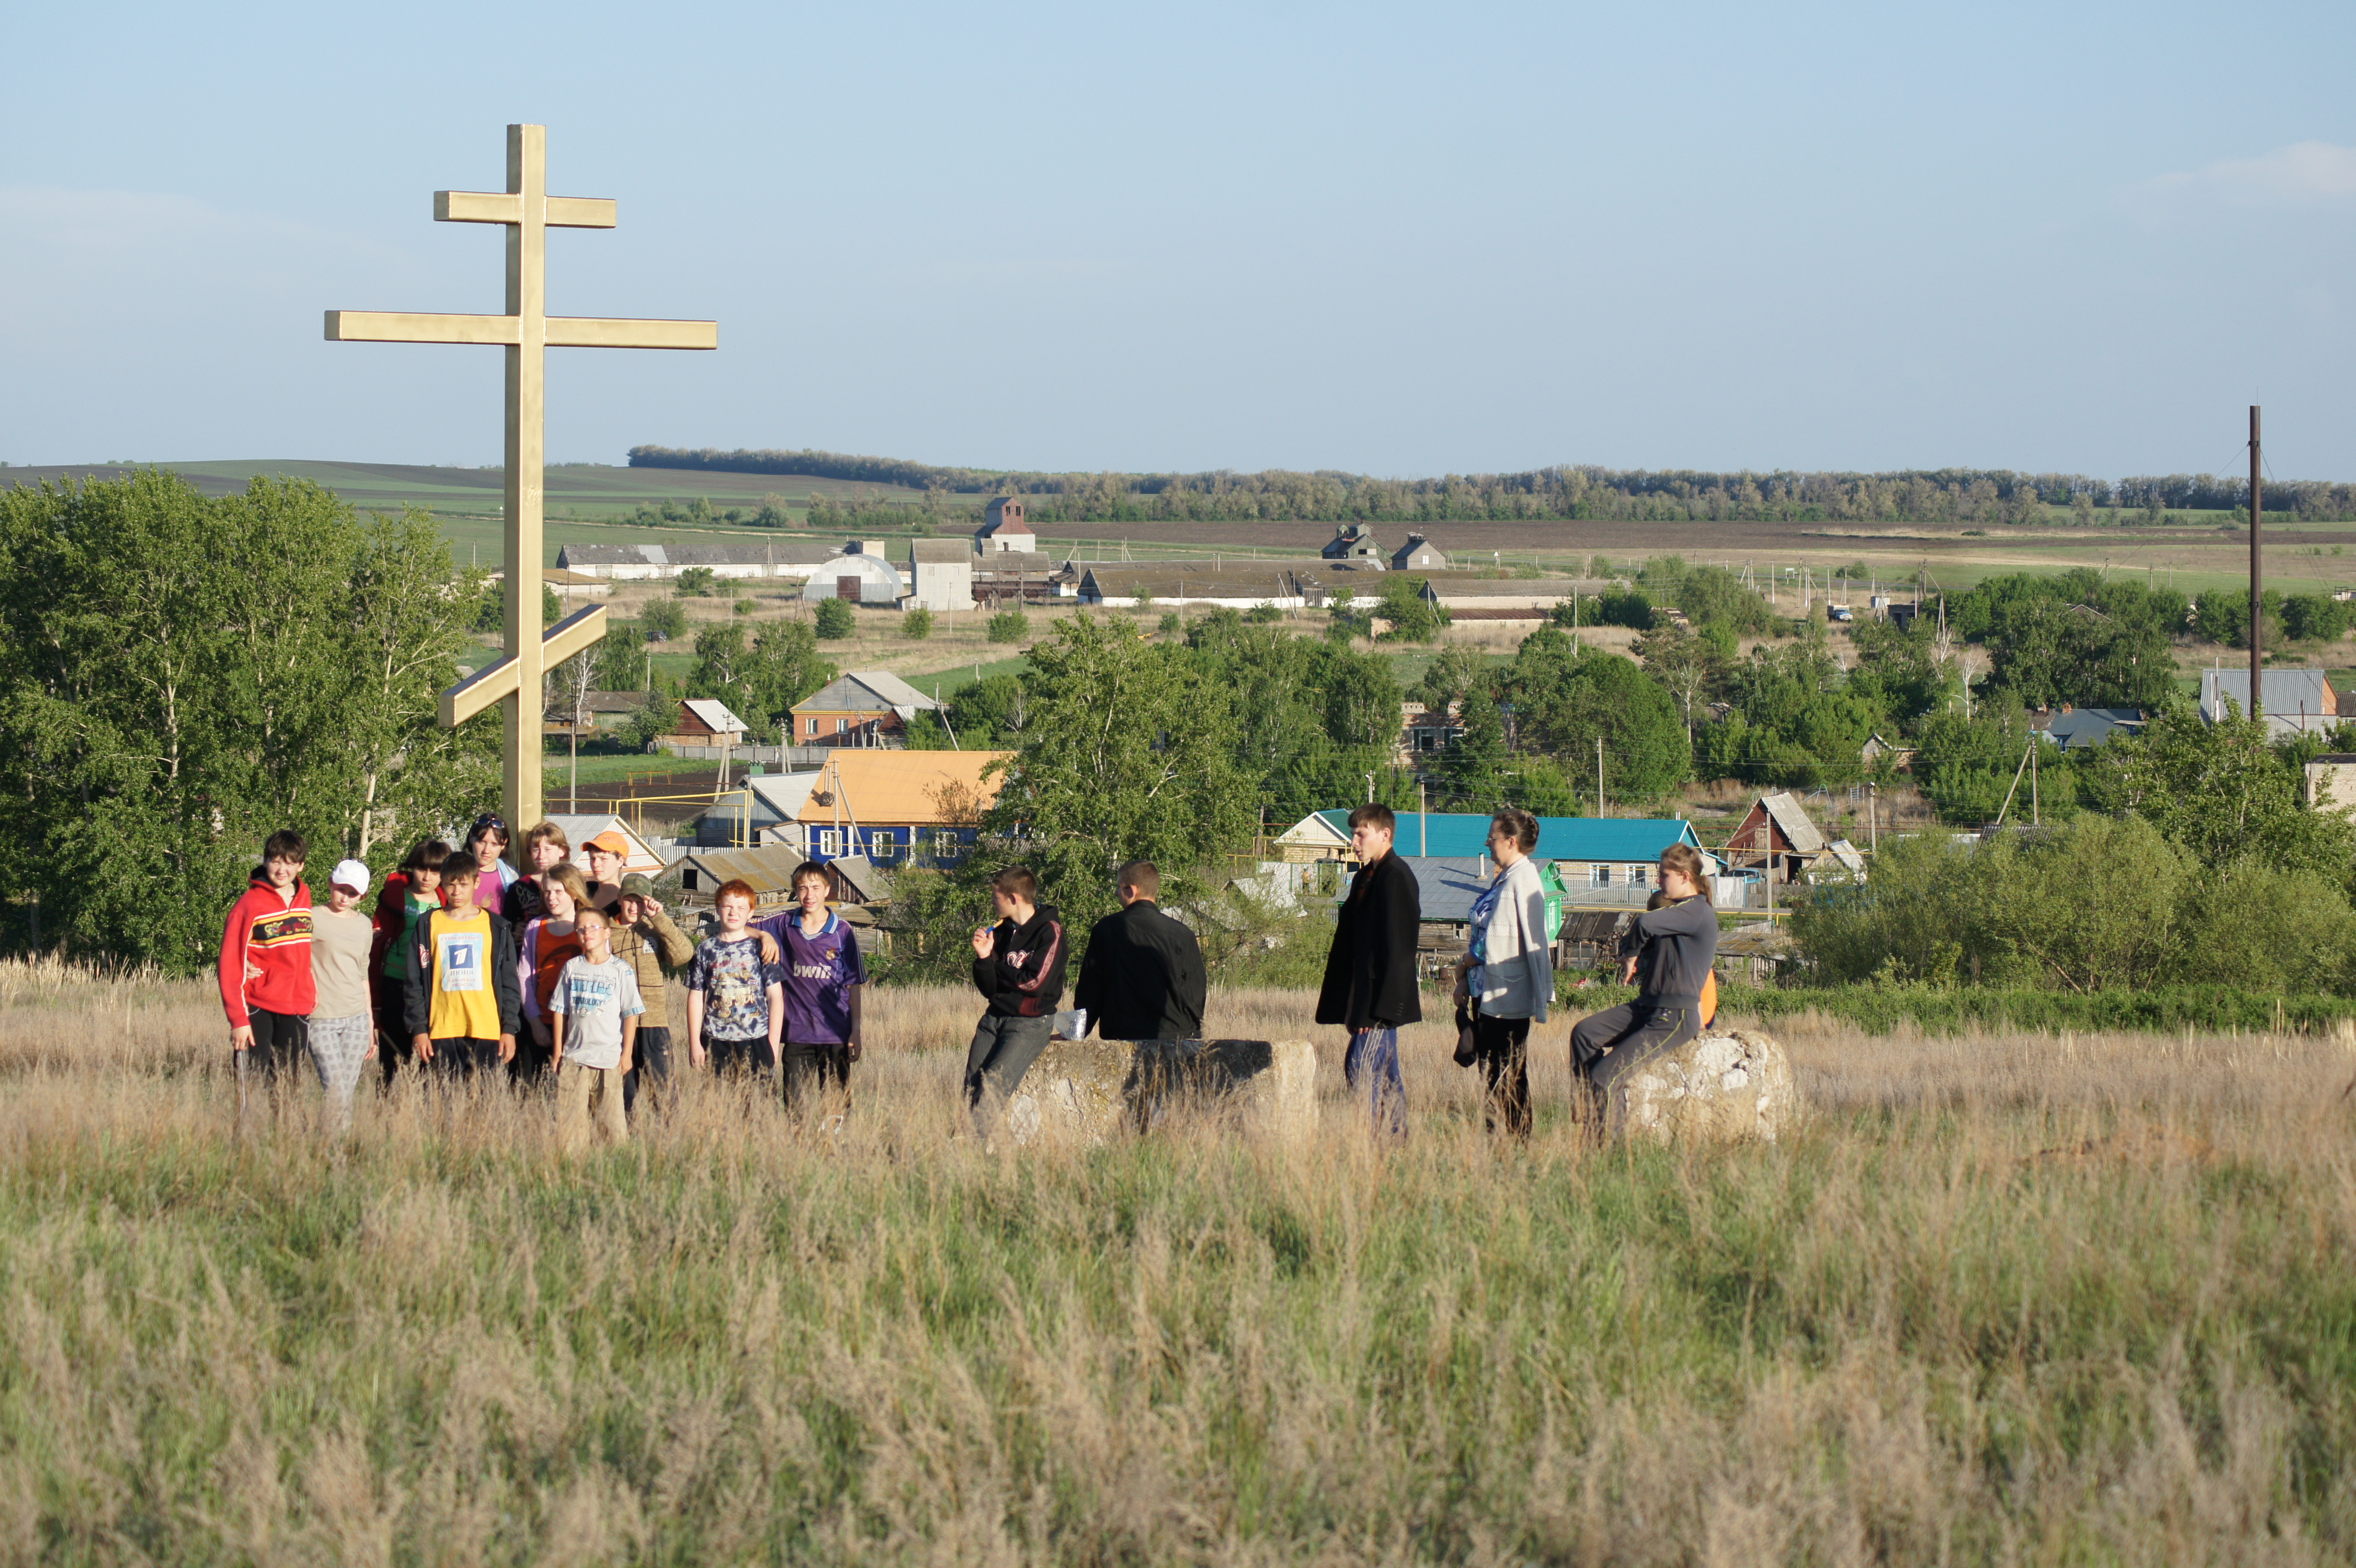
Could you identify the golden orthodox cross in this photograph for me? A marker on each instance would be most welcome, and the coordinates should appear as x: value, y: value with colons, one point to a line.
x: 526, y: 332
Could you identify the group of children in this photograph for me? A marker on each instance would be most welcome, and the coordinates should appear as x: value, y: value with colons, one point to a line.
x: 468, y: 967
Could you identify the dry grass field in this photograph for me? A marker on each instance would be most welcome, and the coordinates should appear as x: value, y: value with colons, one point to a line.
x: 2009, y: 1300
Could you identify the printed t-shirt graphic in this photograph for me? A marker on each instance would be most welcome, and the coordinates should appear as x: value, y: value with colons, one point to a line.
x: 595, y: 998
x: 817, y: 971
x: 465, y: 1006
x: 735, y: 986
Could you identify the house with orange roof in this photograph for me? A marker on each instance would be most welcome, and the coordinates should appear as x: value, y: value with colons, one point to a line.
x: 897, y: 808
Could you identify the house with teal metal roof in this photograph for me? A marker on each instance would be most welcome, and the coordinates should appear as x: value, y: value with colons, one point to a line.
x: 1609, y: 859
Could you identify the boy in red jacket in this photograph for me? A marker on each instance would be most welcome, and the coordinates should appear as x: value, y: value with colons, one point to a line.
x: 266, y: 970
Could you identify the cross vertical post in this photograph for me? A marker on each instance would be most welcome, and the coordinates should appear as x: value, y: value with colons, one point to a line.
x: 527, y: 331
x: 526, y: 453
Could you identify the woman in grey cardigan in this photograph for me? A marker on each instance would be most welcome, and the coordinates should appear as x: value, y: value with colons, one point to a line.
x: 1508, y: 974
x: 1672, y: 949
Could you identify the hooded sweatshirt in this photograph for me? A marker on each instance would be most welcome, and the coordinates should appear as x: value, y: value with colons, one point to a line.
x: 1675, y: 947
x: 274, y: 935
x: 1024, y: 976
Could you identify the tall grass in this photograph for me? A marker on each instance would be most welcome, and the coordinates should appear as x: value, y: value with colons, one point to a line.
x: 2003, y: 1297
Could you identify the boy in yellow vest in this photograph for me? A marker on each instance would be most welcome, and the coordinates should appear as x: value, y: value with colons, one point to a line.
x: 463, y: 1007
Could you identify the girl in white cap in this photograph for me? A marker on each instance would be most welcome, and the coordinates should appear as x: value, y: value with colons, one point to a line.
x: 343, y: 1035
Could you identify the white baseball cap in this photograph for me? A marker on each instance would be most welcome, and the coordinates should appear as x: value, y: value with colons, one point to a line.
x: 351, y: 873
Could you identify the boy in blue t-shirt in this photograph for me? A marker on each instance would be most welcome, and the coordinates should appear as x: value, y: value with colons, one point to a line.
x: 823, y: 975
x: 736, y: 1003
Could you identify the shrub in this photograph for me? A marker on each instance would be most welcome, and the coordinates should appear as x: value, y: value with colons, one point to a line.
x: 835, y: 618
x: 1170, y: 625
x: 744, y: 606
x: 916, y: 625
x: 663, y: 620
x: 697, y: 581
x: 1263, y: 614
x: 1009, y: 626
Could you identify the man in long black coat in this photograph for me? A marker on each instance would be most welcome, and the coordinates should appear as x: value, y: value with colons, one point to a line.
x: 1371, y: 986
x: 1142, y: 978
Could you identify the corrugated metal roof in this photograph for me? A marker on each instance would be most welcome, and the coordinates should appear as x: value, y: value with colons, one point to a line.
x: 865, y: 690
x: 1798, y: 830
x: 1463, y: 834
x: 889, y: 788
x: 714, y: 712
x: 2288, y: 693
x: 581, y: 827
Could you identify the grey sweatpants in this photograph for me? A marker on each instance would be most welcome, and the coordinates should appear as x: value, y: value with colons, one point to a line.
x: 1606, y: 1047
x: 338, y: 1046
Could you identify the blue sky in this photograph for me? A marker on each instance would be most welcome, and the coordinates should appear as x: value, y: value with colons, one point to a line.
x: 1398, y: 240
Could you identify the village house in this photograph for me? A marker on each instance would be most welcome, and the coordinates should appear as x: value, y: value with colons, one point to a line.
x: 1417, y: 556
x: 791, y: 559
x: 940, y: 575
x: 580, y: 827
x: 2298, y: 701
x: 1608, y: 860
x: 1424, y: 732
x: 897, y: 808
x: 1353, y: 545
x: 1003, y: 527
x: 864, y: 707
x: 2331, y: 782
x: 1775, y: 838
x: 706, y: 721
x: 2081, y: 729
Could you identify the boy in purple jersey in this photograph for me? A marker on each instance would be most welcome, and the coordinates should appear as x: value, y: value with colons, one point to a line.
x: 823, y: 974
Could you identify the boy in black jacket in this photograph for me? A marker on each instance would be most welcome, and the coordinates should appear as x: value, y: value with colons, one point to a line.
x: 1371, y: 985
x: 1142, y: 978
x: 463, y: 1004
x: 1018, y: 966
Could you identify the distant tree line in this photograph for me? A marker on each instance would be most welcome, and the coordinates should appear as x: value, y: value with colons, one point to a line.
x: 1560, y: 492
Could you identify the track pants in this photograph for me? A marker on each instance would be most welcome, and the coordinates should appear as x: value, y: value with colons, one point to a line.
x: 1606, y: 1047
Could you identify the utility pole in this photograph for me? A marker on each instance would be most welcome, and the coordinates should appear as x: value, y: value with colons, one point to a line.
x: 2257, y: 594
x: 1599, y: 778
x: 1422, y: 822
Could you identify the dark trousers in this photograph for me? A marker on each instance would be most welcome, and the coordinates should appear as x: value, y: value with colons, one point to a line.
x: 649, y: 1061
x: 823, y: 1064
x: 459, y: 1060
x: 394, y: 1048
x: 533, y: 1059
x: 1500, y: 1050
x: 1002, y: 1052
x: 1606, y: 1047
x: 741, y: 1059
x: 281, y: 1046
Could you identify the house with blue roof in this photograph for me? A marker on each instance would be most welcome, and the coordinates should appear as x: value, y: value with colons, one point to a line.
x: 1613, y: 858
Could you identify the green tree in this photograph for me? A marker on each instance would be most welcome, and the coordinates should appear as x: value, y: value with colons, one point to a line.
x: 1474, y: 766
x: 916, y: 625
x: 1125, y: 757
x: 1566, y: 699
x: 835, y: 619
x: 1413, y: 618
x: 620, y: 657
x: 179, y: 676
x: 1008, y: 626
x: 1682, y: 663
x: 663, y: 620
x: 2225, y: 794
x: 696, y: 580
